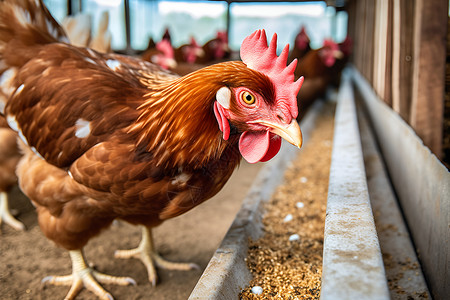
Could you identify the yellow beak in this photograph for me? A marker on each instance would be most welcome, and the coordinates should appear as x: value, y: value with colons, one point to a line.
x: 290, y: 133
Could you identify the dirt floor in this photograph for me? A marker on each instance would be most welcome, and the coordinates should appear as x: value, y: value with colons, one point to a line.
x: 27, y: 257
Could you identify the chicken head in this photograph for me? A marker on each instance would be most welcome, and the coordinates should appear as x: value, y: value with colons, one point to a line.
x: 266, y: 115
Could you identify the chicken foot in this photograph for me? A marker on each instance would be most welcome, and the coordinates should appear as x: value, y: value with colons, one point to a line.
x: 150, y: 258
x: 84, y: 276
x: 5, y: 214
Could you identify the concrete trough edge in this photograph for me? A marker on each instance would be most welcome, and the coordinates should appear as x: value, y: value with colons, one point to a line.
x: 352, y: 262
x: 421, y: 182
x: 227, y: 273
x: 401, y: 263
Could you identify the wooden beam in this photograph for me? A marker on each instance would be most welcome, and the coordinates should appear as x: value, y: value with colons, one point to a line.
x: 387, y: 97
x: 381, y: 56
x: 430, y: 28
x: 369, y: 39
x: 403, y: 23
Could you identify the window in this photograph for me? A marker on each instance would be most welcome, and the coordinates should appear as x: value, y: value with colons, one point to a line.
x: 116, y: 11
x: 202, y: 19
x: 184, y: 19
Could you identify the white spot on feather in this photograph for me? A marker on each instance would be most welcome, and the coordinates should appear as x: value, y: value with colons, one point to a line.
x: 182, y: 178
x: 113, y: 64
x: 19, y: 89
x: 83, y: 128
x: 91, y: 52
x: 2, y: 105
x: 51, y: 29
x: 64, y: 40
x: 6, y: 80
x: 22, y: 15
x: 70, y: 174
x: 36, y: 152
x: 23, y: 138
x: 12, y: 122
x: 89, y: 60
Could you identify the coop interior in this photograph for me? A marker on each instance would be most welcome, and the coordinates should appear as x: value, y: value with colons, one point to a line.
x: 360, y: 211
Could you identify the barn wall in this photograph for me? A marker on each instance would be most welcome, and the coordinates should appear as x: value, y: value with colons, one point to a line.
x: 400, y: 48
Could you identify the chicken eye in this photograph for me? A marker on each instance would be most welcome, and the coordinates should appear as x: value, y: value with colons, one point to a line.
x: 247, y: 97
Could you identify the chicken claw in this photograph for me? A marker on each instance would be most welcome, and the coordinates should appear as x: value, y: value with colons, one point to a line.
x: 5, y: 214
x: 149, y: 257
x: 84, y: 276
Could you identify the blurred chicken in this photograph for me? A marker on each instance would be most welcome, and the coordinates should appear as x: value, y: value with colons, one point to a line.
x: 317, y: 67
x: 101, y: 41
x: 189, y: 53
x: 301, y: 45
x: 162, y: 54
x: 9, y: 158
x: 79, y: 31
x: 167, y: 36
x: 346, y: 48
x: 215, y: 50
x: 110, y: 137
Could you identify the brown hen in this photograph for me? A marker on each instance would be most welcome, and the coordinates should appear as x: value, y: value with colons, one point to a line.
x: 9, y: 158
x: 110, y: 137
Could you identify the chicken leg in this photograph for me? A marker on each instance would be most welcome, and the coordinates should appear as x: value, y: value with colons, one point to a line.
x: 149, y: 257
x: 82, y: 275
x: 5, y: 214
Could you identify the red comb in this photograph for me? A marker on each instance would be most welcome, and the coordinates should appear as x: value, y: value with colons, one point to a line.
x: 262, y: 58
x: 329, y: 43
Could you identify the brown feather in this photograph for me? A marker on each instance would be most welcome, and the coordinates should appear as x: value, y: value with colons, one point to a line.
x: 107, y: 136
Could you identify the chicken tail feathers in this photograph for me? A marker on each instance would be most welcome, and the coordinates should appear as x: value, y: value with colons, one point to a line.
x: 29, y: 21
x: 25, y: 25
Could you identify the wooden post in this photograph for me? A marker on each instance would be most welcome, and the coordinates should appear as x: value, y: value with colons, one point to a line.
x: 403, y: 23
x: 430, y: 28
x: 382, y: 49
x: 369, y: 39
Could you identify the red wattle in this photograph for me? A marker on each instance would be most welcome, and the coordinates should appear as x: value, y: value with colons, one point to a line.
x: 224, y: 126
x: 274, y: 147
x: 259, y: 146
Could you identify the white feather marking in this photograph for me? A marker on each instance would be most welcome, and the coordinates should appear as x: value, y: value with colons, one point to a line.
x: 182, y: 178
x: 2, y: 104
x: 64, y: 40
x: 6, y: 80
x: 22, y: 137
x: 22, y: 15
x: 12, y: 122
x: 90, y: 60
x: 223, y: 96
x: 83, y: 128
x: 51, y: 29
x: 70, y: 174
x: 91, y: 52
x: 19, y: 89
x: 36, y: 152
x: 113, y: 64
